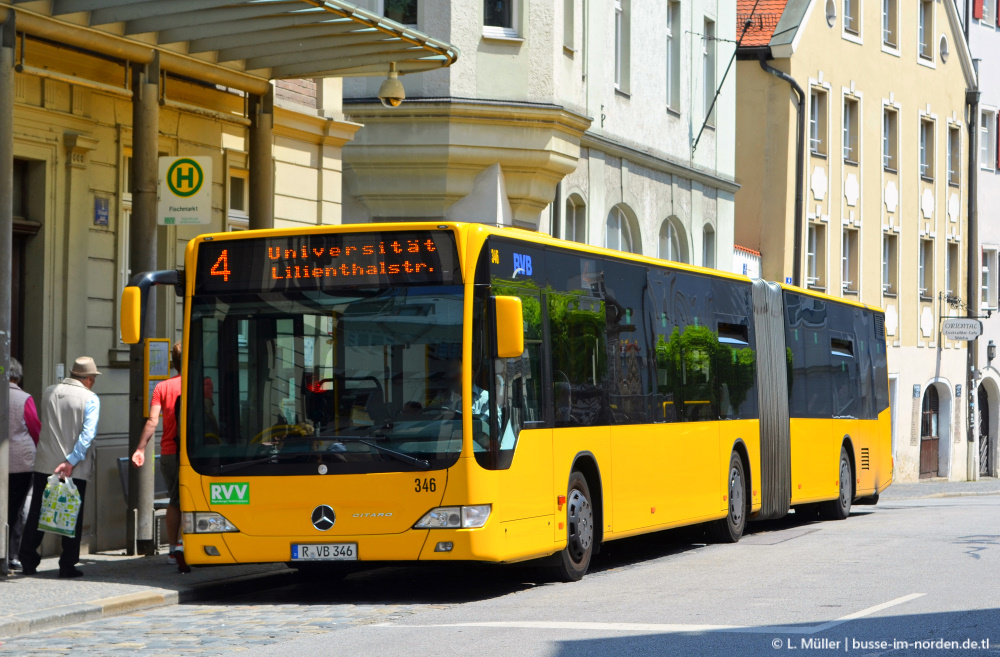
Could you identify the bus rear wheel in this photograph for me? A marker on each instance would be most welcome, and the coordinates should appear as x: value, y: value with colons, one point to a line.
x: 730, y: 528
x: 574, y: 560
x: 840, y: 508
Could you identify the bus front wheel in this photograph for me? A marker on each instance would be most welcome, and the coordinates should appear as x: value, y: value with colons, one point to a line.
x: 840, y: 508
x: 574, y: 560
x: 730, y: 528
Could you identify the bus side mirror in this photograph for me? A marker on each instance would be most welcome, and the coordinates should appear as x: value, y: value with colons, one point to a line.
x: 135, y: 296
x: 131, y: 315
x: 509, y: 326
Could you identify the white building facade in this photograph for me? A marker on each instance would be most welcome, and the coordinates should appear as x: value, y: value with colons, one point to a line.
x: 583, y: 115
x: 982, y: 23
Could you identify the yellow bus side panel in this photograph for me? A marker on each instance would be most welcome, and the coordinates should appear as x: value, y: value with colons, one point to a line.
x: 569, y: 442
x: 883, y: 457
x: 730, y: 432
x: 815, y: 457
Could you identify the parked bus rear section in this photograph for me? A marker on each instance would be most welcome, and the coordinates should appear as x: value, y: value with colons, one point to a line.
x: 429, y: 392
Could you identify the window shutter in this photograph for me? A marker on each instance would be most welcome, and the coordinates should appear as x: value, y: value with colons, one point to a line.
x: 977, y: 9
x: 997, y: 135
x: 997, y: 11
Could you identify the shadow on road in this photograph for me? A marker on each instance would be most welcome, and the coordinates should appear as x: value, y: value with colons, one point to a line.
x: 951, y: 633
x: 456, y: 583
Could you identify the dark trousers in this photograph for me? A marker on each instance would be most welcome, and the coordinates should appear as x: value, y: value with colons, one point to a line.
x: 32, y: 538
x: 19, y: 483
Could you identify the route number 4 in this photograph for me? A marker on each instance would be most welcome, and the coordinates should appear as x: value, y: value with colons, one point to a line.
x: 221, y: 266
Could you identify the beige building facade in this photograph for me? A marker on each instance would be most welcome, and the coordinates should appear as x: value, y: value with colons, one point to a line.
x: 74, y: 188
x: 884, y: 210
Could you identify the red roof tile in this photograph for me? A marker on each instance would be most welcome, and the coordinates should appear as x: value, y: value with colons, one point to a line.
x: 763, y: 20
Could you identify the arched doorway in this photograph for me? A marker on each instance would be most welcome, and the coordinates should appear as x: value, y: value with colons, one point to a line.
x: 930, y: 427
x: 983, y: 403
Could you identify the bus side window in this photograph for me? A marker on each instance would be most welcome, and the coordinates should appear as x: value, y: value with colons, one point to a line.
x: 517, y: 393
x: 579, y: 359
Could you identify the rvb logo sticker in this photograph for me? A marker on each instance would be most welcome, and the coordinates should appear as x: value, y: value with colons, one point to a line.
x: 522, y: 264
x: 237, y: 493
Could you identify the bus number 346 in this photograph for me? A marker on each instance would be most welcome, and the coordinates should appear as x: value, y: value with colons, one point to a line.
x: 425, y: 485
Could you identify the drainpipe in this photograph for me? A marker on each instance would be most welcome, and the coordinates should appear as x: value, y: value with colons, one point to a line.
x: 800, y: 149
x: 972, y: 277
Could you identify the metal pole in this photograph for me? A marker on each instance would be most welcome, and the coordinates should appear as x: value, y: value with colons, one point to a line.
x: 261, y: 161
x: 7, y: 44
x: 142, y: 257
x: 972, y: 280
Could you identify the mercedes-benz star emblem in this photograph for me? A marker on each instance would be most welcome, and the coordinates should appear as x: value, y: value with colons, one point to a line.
x: 323, y: 517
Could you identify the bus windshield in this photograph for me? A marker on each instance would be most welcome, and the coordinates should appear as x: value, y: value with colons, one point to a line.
x: 312, y: 382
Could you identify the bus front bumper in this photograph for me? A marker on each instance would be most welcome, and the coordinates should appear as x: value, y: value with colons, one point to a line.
x: 489, y: 543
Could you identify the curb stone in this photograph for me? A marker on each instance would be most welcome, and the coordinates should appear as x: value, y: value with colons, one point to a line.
x: 118, y: 605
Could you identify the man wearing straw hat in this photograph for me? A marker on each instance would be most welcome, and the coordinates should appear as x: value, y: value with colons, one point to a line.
x: 69, y: 423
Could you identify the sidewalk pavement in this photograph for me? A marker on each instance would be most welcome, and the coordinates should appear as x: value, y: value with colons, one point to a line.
x: 113, y: 584
x: 941, y: 488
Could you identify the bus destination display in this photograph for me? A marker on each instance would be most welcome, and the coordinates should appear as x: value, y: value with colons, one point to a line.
x: 327, y: 261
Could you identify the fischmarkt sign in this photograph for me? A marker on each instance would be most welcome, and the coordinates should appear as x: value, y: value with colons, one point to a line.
x: 185, y: 191
x: 962, y: 329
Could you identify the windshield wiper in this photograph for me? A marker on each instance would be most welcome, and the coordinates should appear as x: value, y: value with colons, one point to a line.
x: 239, y: 465
x: 405, y: 458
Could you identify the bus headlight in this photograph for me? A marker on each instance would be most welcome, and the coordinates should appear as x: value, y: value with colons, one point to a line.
x: 455, y: 517
x: 207, y: 523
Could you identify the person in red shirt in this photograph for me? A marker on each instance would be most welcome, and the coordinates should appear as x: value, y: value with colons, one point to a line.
x: 166, y: 398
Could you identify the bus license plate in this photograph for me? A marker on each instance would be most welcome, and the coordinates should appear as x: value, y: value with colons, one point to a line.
x: 325, y: 552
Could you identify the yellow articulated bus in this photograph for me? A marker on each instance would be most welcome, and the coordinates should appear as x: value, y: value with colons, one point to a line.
x: 435, y: 392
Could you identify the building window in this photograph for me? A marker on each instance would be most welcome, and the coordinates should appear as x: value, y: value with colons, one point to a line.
x: 889, y: 139
x: 672, y: 241
x: 852, y: 17
x: 851, y: 130
x: 621, y: 44
x: 575, y: 228
x: 238, y: 217
x: 987, y: 18
x: 925, y: 30
x: 889, y: 24
x: 623, y: 231
x: 817, y: 121
x: 708, y: 54
x: 673, y: 55
x: 889, y: 263
x: 401, y: 11
x: 925, y: 272
x: 952, y: 271
x: 988, y: 298
x: 708, y: 247
x: 927, y: 149
x: 988, y: 140
x: 954, y: 156
x: 816, y: 256
x: 500, y: 18
x: 569, y: 24
x: 849, y: 261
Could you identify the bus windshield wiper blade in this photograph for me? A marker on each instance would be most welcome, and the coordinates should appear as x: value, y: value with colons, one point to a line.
x: 239, y: 465
x: 405, y: 458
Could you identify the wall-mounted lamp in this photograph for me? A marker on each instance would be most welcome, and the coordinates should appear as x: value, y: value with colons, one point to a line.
x: 991, y: 352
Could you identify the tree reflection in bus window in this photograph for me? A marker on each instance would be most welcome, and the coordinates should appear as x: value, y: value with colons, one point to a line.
x: 577, y: 326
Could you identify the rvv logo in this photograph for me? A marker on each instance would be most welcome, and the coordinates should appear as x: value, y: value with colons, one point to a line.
x: 235, y: 493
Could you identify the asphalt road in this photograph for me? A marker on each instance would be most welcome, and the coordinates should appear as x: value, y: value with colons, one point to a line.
x: 901, y: 578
